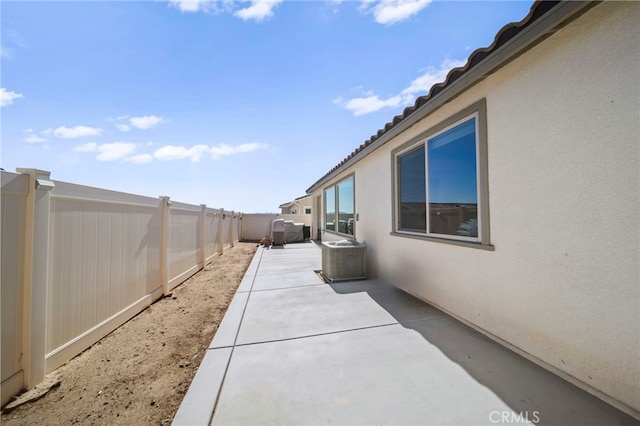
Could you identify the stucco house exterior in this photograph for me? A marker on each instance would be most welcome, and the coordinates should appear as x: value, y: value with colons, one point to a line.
x: 509, y: 195
x: 301, y: 205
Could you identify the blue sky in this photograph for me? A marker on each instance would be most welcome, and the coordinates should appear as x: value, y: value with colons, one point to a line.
x: 234, y: 104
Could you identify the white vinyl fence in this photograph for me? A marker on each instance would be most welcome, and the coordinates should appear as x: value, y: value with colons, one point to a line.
x: 255, y: 226
x: 78, y: 262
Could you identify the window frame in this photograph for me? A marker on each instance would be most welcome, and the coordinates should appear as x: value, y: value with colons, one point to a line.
x: 325, y: 214
x: 477, y: 111
x: 336, y: 204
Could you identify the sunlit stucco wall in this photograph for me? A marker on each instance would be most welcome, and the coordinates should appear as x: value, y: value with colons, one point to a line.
x: 562, y: 283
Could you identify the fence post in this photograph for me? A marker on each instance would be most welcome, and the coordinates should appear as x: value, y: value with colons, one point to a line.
x: 203, y: 235
x: 221, y: 231
x: 36, y: 267
x: 232, y: 225
x: 164, y: 243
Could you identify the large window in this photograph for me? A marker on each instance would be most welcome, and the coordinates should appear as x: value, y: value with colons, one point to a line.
x: 330, y: 208
x: 441, y: 181
x: 339, y: 207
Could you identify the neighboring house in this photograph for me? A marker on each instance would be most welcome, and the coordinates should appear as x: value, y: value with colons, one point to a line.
x: 509, y: 196
x: 301, y: 205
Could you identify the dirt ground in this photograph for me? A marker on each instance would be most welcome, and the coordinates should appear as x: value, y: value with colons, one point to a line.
x: 138, y: 374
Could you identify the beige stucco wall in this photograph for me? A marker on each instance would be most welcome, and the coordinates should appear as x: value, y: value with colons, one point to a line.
x: 298, y: 205
x: 563, y: 283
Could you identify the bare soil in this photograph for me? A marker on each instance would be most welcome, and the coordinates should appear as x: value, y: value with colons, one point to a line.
x: 138, y: 374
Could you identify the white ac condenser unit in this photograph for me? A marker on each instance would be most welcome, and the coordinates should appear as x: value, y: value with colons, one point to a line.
x: 344, y: 260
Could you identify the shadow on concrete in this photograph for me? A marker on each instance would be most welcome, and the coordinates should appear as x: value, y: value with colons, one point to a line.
x: 534, y: 394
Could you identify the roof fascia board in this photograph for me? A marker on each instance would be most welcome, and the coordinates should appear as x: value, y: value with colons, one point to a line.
x: 533, y: 34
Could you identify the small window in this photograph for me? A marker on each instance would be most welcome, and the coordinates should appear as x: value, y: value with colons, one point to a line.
x: 340, y: 207
x: 441, y: 179
x: 307, y: 210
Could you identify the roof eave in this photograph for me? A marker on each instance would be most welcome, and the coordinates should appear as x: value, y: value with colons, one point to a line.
x: 535, y: 32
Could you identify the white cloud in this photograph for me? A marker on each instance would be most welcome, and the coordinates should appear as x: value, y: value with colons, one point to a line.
x: 32, y: 137
x: 87, y: 147
x: 171, y: 152
x: 196, y: 152
x: 142, y: 123
x: 250, y: 147
x: 123, y: 151
x: 73, y: 132
x: 371, y: 102
x: 114, y: 151
x: 207, y: 6
x: 108, y: 151
x: 7, y: 98
x: 259, y: 10
x: 432, y: 76
x: 188, y: 5
x: 389, y: 12
x: 146, y: 122
x: 223, y: 149
x: 139, y: 159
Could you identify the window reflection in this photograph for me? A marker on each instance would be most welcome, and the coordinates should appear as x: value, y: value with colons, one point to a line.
x: 330, y: 208
x: 345, y: 207
x: 453, y: 197
x: 440, y: 173
x: 340, y: 207
x: 412, y: 191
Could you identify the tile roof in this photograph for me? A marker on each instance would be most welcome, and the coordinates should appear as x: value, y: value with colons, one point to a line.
x: 508, y: 32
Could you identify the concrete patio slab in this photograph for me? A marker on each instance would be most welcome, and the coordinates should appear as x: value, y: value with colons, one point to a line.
x: 228, y: 329
x: 253, y: 266
x: 347, y: 378
x: 521, y: 384
x: 246, y: 283
x: 306, y: 311
x: 288, y: 265
x: 292, y: 350
x: 287, y: 280
x: 204, y: 389
x: 402, y: 306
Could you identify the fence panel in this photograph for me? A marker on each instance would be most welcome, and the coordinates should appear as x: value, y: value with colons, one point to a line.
x: 183, y: 246
x: 212, y: 219
x: 234, y: 231
x: 214, y: 233
x: 226, y: 228
x: 12, y: 211
x: 104, y: 265
x: 255, y: 226
x: 78, y: 262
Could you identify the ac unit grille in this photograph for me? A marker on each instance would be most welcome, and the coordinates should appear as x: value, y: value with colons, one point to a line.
x: 342, y: 261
